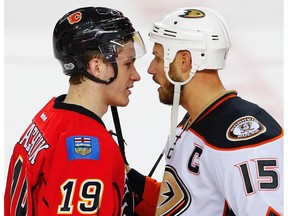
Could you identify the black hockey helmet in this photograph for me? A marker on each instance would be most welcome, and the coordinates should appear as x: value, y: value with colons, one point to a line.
x: 92, y: 28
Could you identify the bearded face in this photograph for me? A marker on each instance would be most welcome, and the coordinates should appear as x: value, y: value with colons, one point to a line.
x: 156, y: 68
x: 166, y: 92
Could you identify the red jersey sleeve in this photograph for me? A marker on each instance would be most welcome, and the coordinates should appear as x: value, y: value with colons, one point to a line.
x: 147, y: 206
x: 17, y: 199
x: 146, y: 191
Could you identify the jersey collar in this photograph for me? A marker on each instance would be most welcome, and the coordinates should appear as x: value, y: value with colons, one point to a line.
x: 207, y: 109
x: 58, y: 104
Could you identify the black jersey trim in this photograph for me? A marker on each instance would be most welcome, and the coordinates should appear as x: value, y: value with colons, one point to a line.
x: 215, y: 104
x: 58, y: 104
x: 242, y: 145
x: 221, y: 115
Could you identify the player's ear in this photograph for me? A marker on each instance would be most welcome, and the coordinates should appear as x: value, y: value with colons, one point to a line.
x: 186, y: 59
x: 93, y: 67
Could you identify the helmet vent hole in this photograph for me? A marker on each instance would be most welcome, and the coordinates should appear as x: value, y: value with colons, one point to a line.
x: 156, y: 29
x: 175, y: 22
x: 215, y: 37
x: 170, y: 33
x: 202, y: 54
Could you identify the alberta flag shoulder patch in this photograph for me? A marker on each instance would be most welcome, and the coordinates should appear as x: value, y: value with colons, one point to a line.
x: 83, y: 147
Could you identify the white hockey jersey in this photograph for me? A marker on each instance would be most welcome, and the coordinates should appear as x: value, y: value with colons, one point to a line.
x: 228, y: 162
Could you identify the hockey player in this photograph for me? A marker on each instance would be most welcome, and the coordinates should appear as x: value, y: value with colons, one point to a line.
x: 66, y: 162
x: 226, y: 156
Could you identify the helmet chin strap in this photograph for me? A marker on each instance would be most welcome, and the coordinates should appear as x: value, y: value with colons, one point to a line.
x: 175, y: 106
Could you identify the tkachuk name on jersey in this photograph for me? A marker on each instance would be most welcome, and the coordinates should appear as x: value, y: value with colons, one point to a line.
x: 33, y: 142
x: 245, y: 128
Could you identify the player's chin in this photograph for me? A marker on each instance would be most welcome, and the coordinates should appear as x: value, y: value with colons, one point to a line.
x: 124, y: 101
x: 165, y: 98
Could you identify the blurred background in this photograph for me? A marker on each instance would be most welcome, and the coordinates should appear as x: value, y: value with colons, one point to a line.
x: 32, y: 75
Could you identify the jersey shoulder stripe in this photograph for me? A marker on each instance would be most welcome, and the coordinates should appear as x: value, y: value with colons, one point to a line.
x: 237, y: 123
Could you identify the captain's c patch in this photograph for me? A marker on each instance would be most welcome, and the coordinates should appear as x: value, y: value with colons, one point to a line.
x: 245, y: 128
x: 82, y: 147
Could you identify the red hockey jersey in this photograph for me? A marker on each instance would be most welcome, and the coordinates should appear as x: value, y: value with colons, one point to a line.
x: 65, y: 163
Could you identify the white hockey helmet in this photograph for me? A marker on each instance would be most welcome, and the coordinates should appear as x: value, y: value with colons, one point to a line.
x: 201, y: 31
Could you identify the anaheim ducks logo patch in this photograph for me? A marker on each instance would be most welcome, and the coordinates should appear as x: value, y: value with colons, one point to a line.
x: 245, y: 128
x: 193, y: 13
x: 174, y: 197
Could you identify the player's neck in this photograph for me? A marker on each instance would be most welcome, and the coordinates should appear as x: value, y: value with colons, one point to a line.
x: 86, y: 97
x: 201, y: 92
